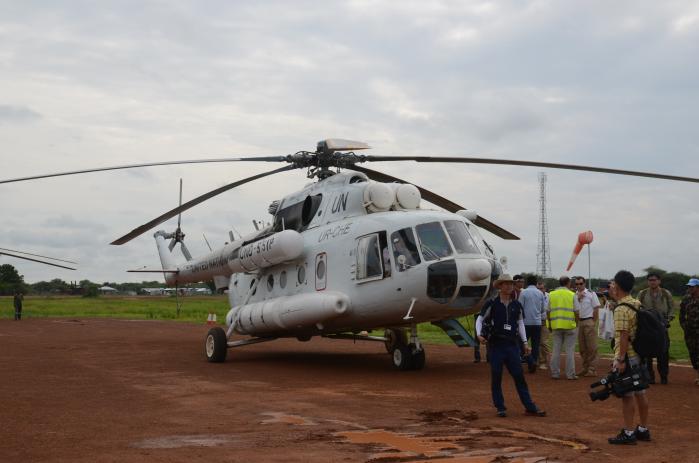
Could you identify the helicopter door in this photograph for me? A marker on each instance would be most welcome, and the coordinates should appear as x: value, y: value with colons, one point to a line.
x: 321, y: 271
x: 373, y: 261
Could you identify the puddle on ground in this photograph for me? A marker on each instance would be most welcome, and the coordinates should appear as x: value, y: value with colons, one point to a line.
x: 173, y: 442
x: 408, y: 445
x: 527, y: 435
x: 279, y: 417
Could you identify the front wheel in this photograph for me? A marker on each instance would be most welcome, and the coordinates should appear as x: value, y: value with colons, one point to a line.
x: 402, y: 357
x: 216, y: 345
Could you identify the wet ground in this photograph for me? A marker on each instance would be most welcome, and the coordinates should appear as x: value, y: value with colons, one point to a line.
x: 95, y: 390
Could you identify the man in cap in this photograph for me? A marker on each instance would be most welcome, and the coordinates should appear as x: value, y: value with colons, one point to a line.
x: 660, y: 299
x: 503, y: 318
x: 519, y: 285
x: 689, y: 321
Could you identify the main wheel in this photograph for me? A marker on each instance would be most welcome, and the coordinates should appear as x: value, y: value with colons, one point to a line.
x: 418, y: 359
x: 394, y: 337
x: 216, y: 345
x: 402, y: 357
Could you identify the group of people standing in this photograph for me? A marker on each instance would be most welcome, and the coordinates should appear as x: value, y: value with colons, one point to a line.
x: 518, y: 315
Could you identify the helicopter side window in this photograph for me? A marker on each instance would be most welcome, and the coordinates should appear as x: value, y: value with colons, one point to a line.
x: 404, y: 245
x: 369, y: 263
x: 462, y: 241
x: 433, y: 242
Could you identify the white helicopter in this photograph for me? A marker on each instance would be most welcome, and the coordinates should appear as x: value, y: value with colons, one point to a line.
x: 352, y: 252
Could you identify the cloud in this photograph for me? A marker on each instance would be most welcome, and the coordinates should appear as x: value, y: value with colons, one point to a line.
x: 17, y: 115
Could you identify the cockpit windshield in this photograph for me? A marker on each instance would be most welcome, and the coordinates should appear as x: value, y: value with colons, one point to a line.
x: 460, y: 237
x: 433, y: 242
x: 485, y: 247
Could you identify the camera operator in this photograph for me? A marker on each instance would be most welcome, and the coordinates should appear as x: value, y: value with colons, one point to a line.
x: 625, y: 357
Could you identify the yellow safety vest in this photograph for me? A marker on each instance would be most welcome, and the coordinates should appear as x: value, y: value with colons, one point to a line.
x: 562, y: 309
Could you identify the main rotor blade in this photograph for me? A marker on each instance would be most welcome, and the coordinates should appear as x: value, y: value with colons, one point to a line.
x: 551, y: 165
x: 38, y: 255
x: 189, y: 204
x: 147, y: 164
x: 2, y: 253
x: 440, y: 201
x: 179, y: 216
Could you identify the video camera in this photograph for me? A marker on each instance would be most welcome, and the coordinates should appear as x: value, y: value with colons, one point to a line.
x: 619, y: 384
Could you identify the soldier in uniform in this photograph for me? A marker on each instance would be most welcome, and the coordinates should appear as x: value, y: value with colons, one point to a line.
x: 689, y: 321
x: 19, y: 297
x: 660, y: 299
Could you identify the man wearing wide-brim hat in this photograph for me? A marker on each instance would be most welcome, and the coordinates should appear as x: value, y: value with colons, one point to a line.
x: 689, y: 321
x: 502, y: 316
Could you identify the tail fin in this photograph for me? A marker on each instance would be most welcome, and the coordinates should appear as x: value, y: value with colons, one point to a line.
x: 166, y: 258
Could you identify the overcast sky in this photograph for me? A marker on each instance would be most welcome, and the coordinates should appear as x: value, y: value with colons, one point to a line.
x: 87, y: 84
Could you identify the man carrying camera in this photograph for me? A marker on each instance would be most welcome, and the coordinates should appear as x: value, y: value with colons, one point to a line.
x: 625, y: 357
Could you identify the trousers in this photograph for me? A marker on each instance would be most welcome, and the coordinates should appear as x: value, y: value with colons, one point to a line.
x: 663, y: 362
x: 507, y: 354
x: 563, y: 339
x: 587, y: 343
x: 533, y: 333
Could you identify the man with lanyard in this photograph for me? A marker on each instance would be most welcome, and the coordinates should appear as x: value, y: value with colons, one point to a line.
x: 587, y: 306
x: 625, y: 323
x: 503, y: 316
x: 563, y: 321
x: 532, y: 301
x: 660, y: 299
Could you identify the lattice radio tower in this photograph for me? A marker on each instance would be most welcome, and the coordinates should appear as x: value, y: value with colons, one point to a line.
x: 543, y: 257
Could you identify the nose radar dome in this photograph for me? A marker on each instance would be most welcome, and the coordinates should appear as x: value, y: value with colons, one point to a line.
x: 478, y: 269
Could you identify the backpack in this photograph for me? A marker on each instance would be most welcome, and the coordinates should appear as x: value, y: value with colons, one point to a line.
x: 651, y: 335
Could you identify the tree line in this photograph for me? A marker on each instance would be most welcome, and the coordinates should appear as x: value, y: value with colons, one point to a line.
x: 11, y: 281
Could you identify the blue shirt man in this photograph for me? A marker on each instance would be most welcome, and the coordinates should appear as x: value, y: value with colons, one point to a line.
x: 533, y: 303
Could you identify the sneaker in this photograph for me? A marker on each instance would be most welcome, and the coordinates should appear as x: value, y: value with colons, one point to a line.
x: 502, y: 413
x: 623, y: 439
x: 572, y: 378
x: 642, y: 435
x: 558, y: 377
x: 543, y: 367
x: 537, y: 412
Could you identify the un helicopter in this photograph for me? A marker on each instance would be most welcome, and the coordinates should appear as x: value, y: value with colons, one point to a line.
x: 353, y: 251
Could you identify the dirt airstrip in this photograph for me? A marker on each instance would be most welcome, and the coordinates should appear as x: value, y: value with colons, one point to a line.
x: 98, y: 390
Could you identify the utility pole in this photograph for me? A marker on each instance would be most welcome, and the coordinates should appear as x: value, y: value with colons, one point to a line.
x: 543, y: 257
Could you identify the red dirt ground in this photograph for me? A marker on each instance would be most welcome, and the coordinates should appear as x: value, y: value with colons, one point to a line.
x: 97, y: 390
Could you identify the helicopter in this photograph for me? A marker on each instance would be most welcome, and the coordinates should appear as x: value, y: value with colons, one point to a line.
x: 352, y: 252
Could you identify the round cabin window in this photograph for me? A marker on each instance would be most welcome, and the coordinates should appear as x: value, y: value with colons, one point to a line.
x: 320, y: 270
x: 270, y: 282
x: 302, y: 274
x: 282, y: 279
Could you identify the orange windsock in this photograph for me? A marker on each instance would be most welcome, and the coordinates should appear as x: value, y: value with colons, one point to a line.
x: 583, y: 239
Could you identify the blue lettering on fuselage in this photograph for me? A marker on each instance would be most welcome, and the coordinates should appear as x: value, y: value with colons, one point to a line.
x: 340, y: 203
x: 334, y: 232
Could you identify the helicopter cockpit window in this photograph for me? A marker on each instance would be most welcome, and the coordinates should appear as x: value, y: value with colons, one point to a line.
x: 460, y: 237
x: 433, y: 242
x: 404, y: 244
x: 369, y: 263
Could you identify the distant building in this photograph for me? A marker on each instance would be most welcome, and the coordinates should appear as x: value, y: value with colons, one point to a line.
x: 107, y: 290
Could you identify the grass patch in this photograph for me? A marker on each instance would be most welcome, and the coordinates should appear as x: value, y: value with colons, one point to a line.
x: 196, y: 309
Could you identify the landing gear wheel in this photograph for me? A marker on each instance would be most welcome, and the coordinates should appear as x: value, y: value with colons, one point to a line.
x: 402, y: 357
x: 418, y: 359
x: 394, y: 337
x: 216, y: 345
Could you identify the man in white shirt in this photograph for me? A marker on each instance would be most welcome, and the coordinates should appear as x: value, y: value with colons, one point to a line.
x: 587, y: 305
